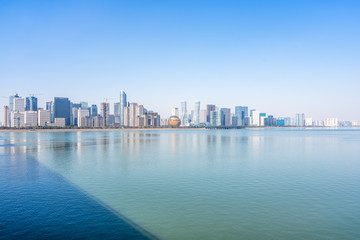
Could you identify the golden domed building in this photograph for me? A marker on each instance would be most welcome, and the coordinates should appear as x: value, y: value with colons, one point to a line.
x: 174, y: 121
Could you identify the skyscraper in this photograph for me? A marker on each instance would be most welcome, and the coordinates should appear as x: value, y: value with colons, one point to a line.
x: 123, y: 103
x: 255, y: 118
x: 241, y: 112
x: 196, y: 117
x: 11, y: 101
x: 215, y: 117
x: 105, y: 111
x: 31, y: 103
x: 19, y: 105
x: 300, y: 120
x: 209, y: 108
x: 6, y: 116
x: 225, y: 116
x: 132, y: 114
x: 175, y: 112
x: 184, y: 115
x: 94, y: 111
x: 61, y: 109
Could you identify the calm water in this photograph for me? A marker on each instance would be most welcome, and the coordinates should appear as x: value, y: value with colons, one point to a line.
x: 190, y: 184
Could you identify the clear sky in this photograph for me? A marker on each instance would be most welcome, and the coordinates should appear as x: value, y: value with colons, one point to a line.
x: 279, y: 57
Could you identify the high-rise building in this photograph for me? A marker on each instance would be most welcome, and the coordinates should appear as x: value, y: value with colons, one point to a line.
x: 30, y: 119
x: 234, y: 120
x: 117, y: 112
x: 255, y: 118
x: 6, y: 116
x: 17, y: 119
x: 308, y: 121
x: 94, y: 111
x: 241, y: 112
x: 331, y: 122
x: 105, y: 111
x: 209, y: 108
x: 132, y: 114
x: 175, y: 112
x: 43, y: 117
x: 126, y: 116
x: 184, y: 115
x: 19, y: 105
x: 225, y: 116
x: 84, y: 104
x: 202, y: 118
x: 31, y: 103
x: 82, y: 113
x: 123, y: 103
x: 196, y: 117
x: 215, y: 117
x: 262, y: 117
x: 300, y: 120
x: 61, y: 109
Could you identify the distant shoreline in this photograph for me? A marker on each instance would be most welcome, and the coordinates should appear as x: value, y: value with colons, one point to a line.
x: 156, y: 129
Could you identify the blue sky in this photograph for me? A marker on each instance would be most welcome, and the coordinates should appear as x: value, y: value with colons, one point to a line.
x: 279, y: 57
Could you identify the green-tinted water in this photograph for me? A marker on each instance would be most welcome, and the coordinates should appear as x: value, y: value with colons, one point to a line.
x: 214, y: 184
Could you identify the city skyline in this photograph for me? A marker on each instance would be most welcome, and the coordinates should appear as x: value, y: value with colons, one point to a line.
x: 63, y: 112
x: 300, y: 57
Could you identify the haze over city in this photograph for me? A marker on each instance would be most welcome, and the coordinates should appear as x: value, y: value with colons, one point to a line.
x: 281, y: 57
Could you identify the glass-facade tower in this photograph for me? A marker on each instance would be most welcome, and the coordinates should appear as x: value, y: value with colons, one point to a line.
x: 123, y: 103
x: 31, y: 103
x: 62, y: 109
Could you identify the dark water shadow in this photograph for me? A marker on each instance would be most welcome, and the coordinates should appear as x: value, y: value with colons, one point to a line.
x: 37, y: 203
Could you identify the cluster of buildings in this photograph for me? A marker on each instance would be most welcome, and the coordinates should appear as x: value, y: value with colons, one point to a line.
x: 61, y: 112
x: 243, y: 116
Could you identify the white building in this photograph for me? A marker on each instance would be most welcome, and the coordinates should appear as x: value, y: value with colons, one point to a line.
x: 43, y: 117
x: 30, y: 118
x: 262, y: 120
x: 175, y: 112
x: 300, y: 120
x: 255, y: 118
x: 184, y: 115
x: 202, y: 118
x: 308, y: 121
x: 331, y: 122
x: 58, y: 122
x: 82, y: 113
x: 196, y: 116
x: 17, y: 119
x: 19, y: 105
